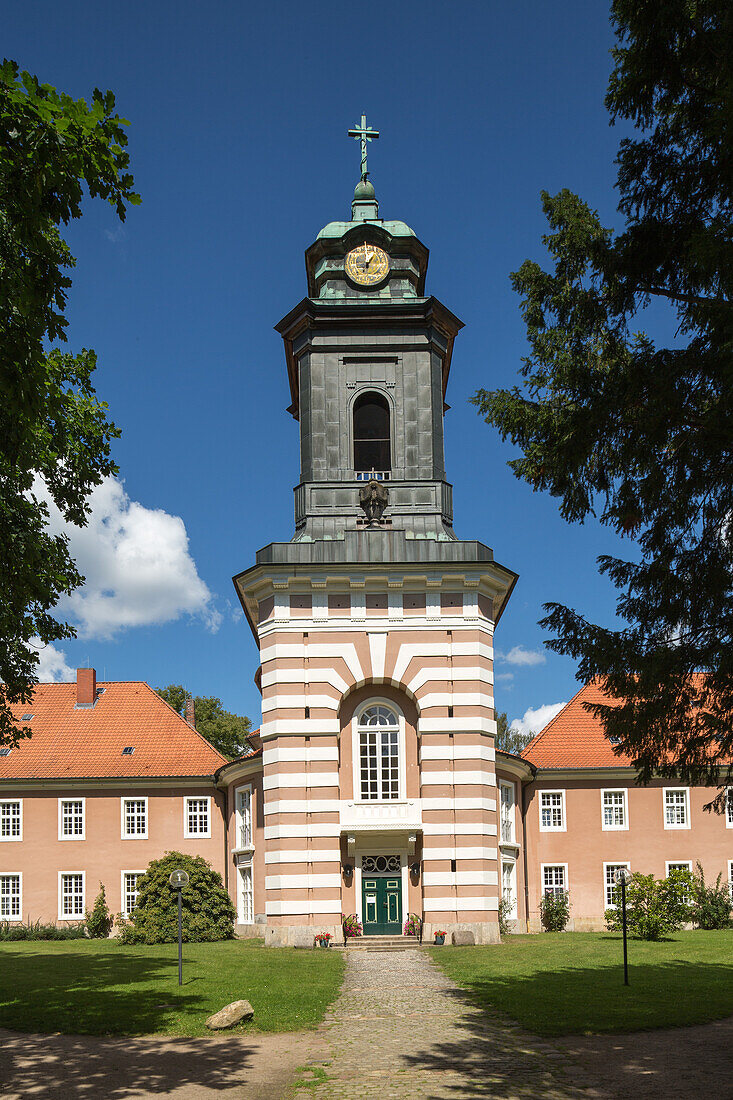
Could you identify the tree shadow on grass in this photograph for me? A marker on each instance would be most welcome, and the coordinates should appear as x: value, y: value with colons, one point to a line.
x: 131, y: 995
x: 489, y: 1055
x: 105, y: 993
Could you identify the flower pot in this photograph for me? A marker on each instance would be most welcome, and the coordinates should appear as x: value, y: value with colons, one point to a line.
x: 439, y: 941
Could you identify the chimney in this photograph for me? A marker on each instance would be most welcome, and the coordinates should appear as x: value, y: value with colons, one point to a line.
x: 86, y: 687
x: 189, y: 712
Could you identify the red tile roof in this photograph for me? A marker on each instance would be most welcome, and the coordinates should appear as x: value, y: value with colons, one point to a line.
x: 574, y: 738
x: 71, y: 743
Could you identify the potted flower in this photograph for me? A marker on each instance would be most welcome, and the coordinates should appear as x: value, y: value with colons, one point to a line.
x: 323, y: 939
x: 352, y: 926
x: 440, y: 937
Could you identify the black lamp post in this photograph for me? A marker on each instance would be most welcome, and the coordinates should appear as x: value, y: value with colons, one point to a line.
x: 178, y: 879
x: 621, y: 877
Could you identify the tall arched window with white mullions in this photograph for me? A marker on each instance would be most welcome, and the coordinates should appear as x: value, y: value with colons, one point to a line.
x: 372, y: 445
x: 378, y: 732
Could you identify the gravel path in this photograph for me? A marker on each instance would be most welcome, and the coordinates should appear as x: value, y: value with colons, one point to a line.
x: 401, y: 1029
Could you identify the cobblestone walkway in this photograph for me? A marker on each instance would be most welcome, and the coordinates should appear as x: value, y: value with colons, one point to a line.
x: 401, y: 1029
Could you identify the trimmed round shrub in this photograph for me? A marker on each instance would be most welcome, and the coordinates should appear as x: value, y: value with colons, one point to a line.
x: 208, y: 913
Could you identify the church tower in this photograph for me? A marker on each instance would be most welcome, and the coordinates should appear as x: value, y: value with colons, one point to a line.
x: 375, y: 622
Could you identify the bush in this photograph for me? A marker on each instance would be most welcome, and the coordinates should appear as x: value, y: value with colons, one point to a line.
x: 505, y: 907
x: 711, y: 908
x: 412, y: 926
x: 208, y: 913
x: 555, y: 911
x: 99, y: 922
x: 37, y: 930
x: 352, y: 926
x: 654, y: 907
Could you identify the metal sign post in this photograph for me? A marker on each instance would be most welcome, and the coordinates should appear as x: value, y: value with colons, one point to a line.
x: 178, y: 879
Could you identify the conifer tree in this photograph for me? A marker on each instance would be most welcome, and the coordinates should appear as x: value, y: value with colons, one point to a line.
x: 633, y: 429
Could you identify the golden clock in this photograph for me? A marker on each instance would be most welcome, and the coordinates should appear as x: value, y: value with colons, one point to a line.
x: 368, y: 264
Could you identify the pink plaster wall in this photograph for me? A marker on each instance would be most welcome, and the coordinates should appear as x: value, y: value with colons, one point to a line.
x: 103, y: 854
x: 646, y: 845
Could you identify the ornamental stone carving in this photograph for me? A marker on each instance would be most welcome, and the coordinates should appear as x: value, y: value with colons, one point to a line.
x: 373, y: 499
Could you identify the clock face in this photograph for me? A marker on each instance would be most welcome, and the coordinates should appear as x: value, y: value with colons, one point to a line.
x: 367, y: 264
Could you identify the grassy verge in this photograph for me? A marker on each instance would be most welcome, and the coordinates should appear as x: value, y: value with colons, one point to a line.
x: 102, y: 988
x: 564, y: 983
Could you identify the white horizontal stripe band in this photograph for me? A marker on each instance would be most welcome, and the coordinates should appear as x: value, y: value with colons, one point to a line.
x: 455, y: 699
x: 457, y: 752
x: 457, y: 779
x: 456, y: 725
x: 286, y: 702
x: 460, y: 905
x: 469, y: 828
x: 302, y: 882
x: 458, y: 803
x: 311, y: 727
x: 304, y: 908
x: 318, y: 829
x: 458, y: 853
x: 302, y: 806
x: 279, y: 780
x: 304, y: 855
x: 460, y: 878
x: 300, y: 755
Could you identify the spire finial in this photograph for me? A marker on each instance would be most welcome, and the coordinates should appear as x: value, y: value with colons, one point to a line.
x: 364, y: 134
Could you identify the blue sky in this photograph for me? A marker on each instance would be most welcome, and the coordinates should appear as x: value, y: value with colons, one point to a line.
x: 238, y: 143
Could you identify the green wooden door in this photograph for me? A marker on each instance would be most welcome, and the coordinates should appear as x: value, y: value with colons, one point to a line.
x: 381, y: 900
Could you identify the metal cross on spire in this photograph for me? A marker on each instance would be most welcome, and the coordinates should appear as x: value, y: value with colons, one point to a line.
x: 364, y: 134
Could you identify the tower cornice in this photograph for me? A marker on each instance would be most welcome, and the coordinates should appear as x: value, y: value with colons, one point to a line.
x: 315, y: 315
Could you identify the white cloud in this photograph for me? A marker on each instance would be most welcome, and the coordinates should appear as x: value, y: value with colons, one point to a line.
x: 521, y: 656
x: 534, y: 721
x: 52, y: 667
x: 503, y: 677
x: 137, y: 565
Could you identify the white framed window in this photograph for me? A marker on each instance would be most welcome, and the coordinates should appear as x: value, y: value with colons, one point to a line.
x: 379, y: 753
x: 71, y: 895
x: 243, y: 817
x: 507, y: 812
x: 128, y: 893
x: 614, y: 810
x: 680, y: 865
x: 552, y: 811
x: 509, y: 886
x: 72, y: 823
x: 609, y: 881
x: 246, y: 907
x: 196, y: 817
x: 729, y: 808
x: 554, y: 878
x: 11, y: 895
x: 676, y: 808
x: 11, y: 819
x: 134, y: 818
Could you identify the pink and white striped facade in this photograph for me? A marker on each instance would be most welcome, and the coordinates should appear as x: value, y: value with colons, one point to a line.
x: 422, y: 645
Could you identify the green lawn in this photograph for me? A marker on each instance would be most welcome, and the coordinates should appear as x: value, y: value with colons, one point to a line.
x: 99, y: 987
x: 563, y: 983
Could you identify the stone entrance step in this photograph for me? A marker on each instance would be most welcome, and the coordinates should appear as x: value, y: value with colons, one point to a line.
x: 382, y: 943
